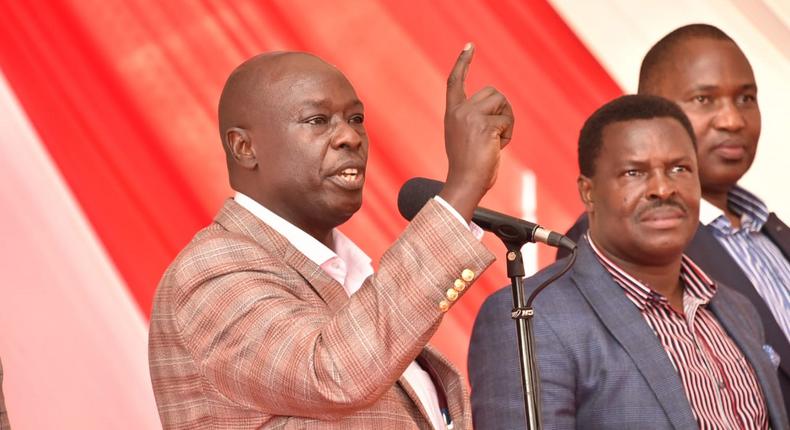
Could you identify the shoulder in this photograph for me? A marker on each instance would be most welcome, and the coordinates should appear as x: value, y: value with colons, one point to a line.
x: 559, y: 301
x: 218, y: 262
x: 215, y: 251
x: 575, y: 233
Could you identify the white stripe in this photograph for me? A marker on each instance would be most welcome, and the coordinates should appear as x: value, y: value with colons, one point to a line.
x: 73, y: 343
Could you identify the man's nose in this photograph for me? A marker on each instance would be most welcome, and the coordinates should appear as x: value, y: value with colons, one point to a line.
x: 729, y: 117
x: 346, y: 136
x: 660, y: 186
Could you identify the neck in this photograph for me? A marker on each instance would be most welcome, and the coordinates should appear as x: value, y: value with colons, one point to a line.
x: 662, y: 278
x: 720, y: 198
x: 324, y: 237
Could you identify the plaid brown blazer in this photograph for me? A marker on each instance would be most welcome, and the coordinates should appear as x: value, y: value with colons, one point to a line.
x: 4, y: 425
x: 246, y: 332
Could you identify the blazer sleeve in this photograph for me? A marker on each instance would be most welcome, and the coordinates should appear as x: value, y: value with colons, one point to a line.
x: 495, y: 373
x: 264, y: 346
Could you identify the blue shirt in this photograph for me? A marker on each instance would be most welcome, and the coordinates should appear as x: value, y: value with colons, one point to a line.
x: 759, y: 258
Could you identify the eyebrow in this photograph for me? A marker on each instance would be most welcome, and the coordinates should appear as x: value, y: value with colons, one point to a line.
x: 711, y: 87
x: 644, y: 161
x: 322, y: 103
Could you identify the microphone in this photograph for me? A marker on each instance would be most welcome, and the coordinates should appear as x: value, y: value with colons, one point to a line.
x: 417, y: 191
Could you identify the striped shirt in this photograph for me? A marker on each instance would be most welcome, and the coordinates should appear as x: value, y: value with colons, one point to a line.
x: 757, y: 256
x: 720, y: 384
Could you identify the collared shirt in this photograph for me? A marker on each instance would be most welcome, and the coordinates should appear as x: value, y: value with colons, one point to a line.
x: 759, y: 258
x: 720, y: 384
x: 349, y: 266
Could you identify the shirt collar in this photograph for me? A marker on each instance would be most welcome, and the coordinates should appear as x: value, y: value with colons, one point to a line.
x: 311, y: 247
x: 749, y: 207
x: 696, y: 282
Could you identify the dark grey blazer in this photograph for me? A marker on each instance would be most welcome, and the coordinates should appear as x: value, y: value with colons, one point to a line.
x: 711, y: 256
x: 600, y: 364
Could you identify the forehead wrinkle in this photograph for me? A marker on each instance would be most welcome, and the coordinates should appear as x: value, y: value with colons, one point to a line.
x: 328, y: 101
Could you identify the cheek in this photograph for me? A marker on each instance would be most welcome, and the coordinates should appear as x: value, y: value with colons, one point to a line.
x: 628, y: 199
x: 754, y: 126
x: 701, y: 124
x: 689, y: 193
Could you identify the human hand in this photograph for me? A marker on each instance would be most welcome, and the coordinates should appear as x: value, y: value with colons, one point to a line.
x: 475, y: 131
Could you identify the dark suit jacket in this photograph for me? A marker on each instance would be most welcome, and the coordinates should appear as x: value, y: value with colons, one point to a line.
x: 601, y: 366
x: 711, y: 256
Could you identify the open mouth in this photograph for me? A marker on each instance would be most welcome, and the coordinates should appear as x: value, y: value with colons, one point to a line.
x: 350, y: 178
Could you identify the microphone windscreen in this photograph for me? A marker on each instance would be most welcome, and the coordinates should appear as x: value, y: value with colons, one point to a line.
x: 415, y: 193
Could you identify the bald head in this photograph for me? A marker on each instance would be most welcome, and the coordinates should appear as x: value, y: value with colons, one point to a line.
x: 292, y: 129
x: 664, y: 53
x: 253, y: 86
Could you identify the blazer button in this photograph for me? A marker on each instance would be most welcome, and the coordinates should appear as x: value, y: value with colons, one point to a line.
x: 459, y: 285
x: 452, y: 295
x: 468, y: 275
x: 444, y: 305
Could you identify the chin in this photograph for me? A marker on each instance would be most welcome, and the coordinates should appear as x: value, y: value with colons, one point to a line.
x: 343, y: 214
x: 664, y: 251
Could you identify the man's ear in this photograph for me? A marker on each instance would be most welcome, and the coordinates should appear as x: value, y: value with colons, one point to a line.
x: 585, y: 187
x: 240, y: 148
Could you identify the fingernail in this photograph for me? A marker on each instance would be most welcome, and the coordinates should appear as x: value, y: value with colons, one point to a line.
x: 468, y: 46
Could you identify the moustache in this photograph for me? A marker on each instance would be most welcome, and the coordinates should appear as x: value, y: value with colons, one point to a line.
x: 655, y: 204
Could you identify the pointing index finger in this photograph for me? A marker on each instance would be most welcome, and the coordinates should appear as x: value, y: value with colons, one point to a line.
x: 455, y: 82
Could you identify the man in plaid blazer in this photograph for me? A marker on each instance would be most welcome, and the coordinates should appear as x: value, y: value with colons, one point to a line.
x: 267, y: 319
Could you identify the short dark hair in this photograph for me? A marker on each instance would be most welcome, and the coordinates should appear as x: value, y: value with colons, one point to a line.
x: 621, y: 109
x: 661, y: 52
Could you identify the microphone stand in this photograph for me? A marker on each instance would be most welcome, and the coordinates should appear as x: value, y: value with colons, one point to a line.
x: 523, y: 313
x: 530, y: 384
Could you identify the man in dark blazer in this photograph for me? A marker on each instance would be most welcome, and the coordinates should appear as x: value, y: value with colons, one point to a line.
x: 635, y: 335
x: 738, y: 241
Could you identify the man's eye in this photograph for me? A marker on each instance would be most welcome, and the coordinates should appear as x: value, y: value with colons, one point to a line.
x: 702, y: 99
x: 631, y: 172
x: 357, y: 119
x: 747, y: 98
x: 316, y: 120
x: 679, y: 169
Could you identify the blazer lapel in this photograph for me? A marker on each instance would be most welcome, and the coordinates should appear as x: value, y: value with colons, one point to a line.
x: 404, y: 384
x: 454, y: 387
x: 235, y: 218
x: 629, y: 328
x: 446, y: 379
